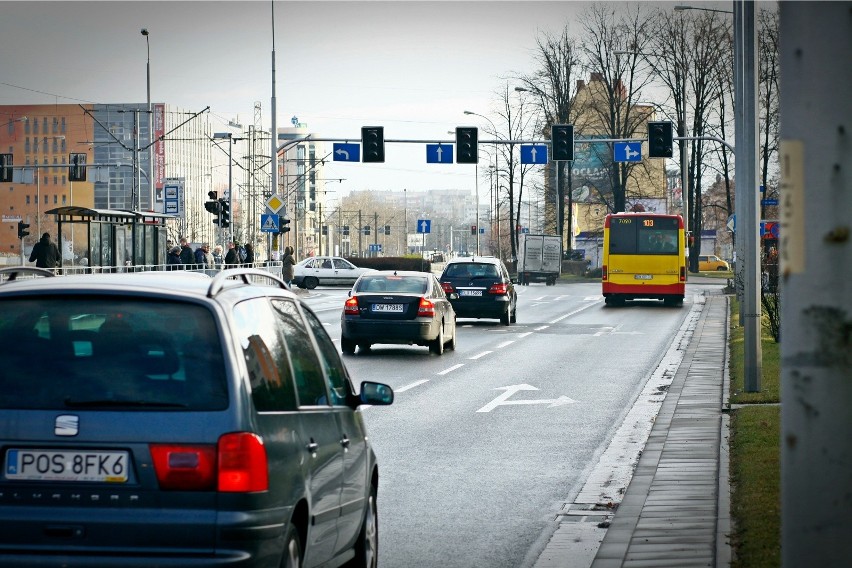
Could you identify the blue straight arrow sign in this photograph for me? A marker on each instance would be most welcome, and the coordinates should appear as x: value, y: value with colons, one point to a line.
x: 533, y: 154
x: 347, y: 152
x: 439, y: 154
x: 424, y: 226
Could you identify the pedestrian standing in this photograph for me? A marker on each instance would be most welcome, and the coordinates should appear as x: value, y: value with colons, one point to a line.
x: 232, y: 260
x: 173, y: 259
x: 218, y: 259
x: 45, y: 253
x: 187, y: 258
x: 288, y: 261
x: 249, y: 256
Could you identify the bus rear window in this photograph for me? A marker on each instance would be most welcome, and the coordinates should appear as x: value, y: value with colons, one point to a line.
x: 643, y: 235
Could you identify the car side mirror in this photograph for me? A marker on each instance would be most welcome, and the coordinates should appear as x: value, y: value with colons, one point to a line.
x: 376, y: 393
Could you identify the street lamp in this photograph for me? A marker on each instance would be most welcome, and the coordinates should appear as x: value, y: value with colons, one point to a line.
x: 144, y: 32
x: 470, y: 112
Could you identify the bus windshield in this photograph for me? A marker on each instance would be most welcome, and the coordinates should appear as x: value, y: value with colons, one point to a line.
x: 643, y: 235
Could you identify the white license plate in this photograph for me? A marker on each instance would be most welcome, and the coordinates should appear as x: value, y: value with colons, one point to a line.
x: 387, y: 307
x: 643, y: 277
x: 470, y: 292
x: 50, y: 465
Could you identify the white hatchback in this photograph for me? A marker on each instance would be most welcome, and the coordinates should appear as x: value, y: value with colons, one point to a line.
x: 326, y: 271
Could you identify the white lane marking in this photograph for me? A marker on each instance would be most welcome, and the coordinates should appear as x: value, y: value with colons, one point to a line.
x: 540, y: 298
x: 505, y: 343
x: 569, y: 314
x: 592, y: 298
x: 483, y: 354
x: 411, y: 386
x: 512, y: 389
x: 539, y: 328
x: 524, y: 334
x: 451, y: 369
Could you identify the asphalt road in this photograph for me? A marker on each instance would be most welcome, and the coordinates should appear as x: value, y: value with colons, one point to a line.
x: 485, y: 444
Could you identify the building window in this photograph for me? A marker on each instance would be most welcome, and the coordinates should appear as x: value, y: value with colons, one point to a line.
x: 64, y: 199
x: 28, y: 200
x: 44, y: 143
x: 45, y: 197
x: 64, y: 179
x: 55, y: 125
x: 55, y: 145
x: 27, y: 147
x: 35, y: 126
x: 26, y: 127
x: 55, y: 181
x: 55, y: 199
x: 63, y: 141
x: 63, y: 131
x: 44, y: 125
x: 35, y: 145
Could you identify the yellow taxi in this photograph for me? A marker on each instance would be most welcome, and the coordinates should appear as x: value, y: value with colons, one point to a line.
x: 710, y: 262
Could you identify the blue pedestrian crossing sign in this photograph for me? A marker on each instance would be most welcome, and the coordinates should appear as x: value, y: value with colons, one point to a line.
x: 269, y: 223
x: 439, y: 154
x: 533, y: 154
x: 627, y: 152
x: 424, y: 226
x: 346, y: 152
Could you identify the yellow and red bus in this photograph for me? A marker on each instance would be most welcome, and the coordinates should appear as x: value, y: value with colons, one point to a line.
x: 644, y: 256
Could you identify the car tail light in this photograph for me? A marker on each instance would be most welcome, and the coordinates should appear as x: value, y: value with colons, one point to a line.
x: 242, y: 463
x: 350, y: 308
x: 426, y: 308
x: 185, y: 467
x: 448, y: 288
x: 500, y: 289
x: 603, y: 272
x: 683, y: 274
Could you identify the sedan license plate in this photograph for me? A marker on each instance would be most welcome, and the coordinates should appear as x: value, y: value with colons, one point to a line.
x: 387, y: 307
x: 470, y: 292
x: 642, y: 276
x: 51, y: 465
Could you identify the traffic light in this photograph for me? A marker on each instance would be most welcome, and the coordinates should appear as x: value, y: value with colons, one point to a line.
x: 22, y: 229
x: 212, y: 206
x: 366, y: 229
x: 387, y: 229
x: 373, y: 139
x: 660, y: 139
x: 224, y: 213
x: 77, y: 167
x: 473, y: 229
x: 467, y: 145
x: 562, y: 139
x: 345, y: 230
x: 325, y: 230
x: 284, y: 225
x: 5, y: 168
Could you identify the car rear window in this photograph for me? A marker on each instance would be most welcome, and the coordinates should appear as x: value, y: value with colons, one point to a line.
x: 471, y: 270
x: 106, y: 353
x: 393, y: 284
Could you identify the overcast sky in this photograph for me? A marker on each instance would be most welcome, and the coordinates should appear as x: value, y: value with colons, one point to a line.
x: 412, y: 67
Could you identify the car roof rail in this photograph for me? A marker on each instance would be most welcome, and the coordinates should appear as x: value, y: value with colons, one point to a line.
x: 242, y: 274
x: 13, y: 272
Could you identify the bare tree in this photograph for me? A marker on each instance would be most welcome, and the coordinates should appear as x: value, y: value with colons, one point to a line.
x: 768, y: 91
x: 607, y: 36
x: 554, y: 86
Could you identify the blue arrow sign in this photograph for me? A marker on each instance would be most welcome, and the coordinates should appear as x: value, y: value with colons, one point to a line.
x: 269, y: 223
x: 347, y: 152
x: 424, y: 226
x: 627, y: 152
x: 533, y: 154
x: 439, y: 154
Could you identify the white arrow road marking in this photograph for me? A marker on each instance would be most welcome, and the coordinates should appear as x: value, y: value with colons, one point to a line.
x: 451, y: 369
x: 343, y: 152
x: 512, y: 389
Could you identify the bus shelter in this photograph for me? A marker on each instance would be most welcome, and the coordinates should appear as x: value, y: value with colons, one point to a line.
x: 117, y: 238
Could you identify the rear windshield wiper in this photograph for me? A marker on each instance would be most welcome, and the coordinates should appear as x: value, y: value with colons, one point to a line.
x: 109, y: 403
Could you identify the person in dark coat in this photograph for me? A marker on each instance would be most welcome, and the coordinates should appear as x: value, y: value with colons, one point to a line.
x: 173, y: 261
x: 45, y: 253
x: 249, y: 260
x: 232, y: 259
x: 187, y: 257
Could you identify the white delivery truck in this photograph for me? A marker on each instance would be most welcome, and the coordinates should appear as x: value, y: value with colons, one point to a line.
x: 539, y: 258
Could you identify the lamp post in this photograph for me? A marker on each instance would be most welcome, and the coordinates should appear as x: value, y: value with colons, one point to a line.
x: 477, y: 181
x: 150, y: 125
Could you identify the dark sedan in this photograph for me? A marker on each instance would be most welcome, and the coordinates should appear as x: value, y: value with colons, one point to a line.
x: 397, y: 307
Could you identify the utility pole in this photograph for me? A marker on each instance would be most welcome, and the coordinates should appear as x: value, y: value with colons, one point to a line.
x: 816, y: 256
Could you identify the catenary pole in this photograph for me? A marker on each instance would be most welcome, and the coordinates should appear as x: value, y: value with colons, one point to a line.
x: 816, y: 266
